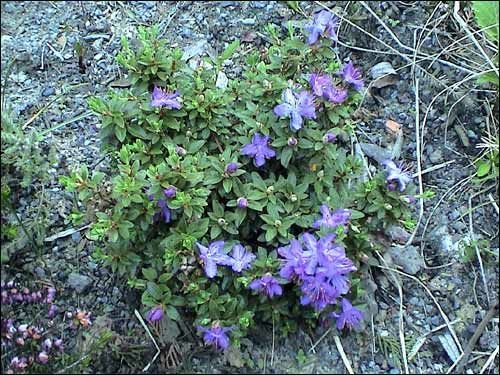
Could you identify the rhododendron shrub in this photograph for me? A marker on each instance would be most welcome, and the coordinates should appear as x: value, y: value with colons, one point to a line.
x: 237, y: 200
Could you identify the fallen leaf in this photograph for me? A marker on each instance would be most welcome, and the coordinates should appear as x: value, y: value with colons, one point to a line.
x: 392, y: 126
x: 383, y: 74
x: 61, y: 40
x: 249, y: 37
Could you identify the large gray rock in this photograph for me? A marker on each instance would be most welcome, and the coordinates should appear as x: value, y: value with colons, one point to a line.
x: 408, y: 258
x: 79, y: 282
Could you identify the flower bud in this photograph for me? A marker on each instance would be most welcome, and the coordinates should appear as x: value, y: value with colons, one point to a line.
x: 180, y: 151
x: 170, y: 192
x: 321, y: 174
x: 329, y: 138
x: 189, y: 133
x: 20, y: 341
x: 242, y: 202
x: 43, y: 357
x: 292, y: 141
x: 22, y: 328
x: 231, y: 168
x: 293, y: 198
x: 270, y: 189
x: 388, y: 206
x: 53, y: 310
x: 221, y: 221
x: 277, y: 223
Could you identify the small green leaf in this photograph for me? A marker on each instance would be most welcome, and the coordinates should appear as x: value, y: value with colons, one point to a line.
x: 150, y: 274
x: 286, y: 155
x: 483, y: 168
x: 172, y: 313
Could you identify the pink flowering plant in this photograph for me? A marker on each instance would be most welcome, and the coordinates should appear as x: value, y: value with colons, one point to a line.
x: 241, y: 201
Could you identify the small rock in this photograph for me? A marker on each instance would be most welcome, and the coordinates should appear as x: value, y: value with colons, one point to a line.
x: 397, y: 234
x: 248, y: 21
x: 408, y: 258
x: 436, y: 156
x: 48, y: 91
x: 40, y: 272
x: 79, y: 282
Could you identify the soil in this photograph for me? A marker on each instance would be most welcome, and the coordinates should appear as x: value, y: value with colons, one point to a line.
x: 39, y: 38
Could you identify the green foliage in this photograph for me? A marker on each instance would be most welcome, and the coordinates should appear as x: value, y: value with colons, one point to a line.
x: 486, y: 13
x: 487, y: 16
x: 153, y: 149
x: 24, y: 167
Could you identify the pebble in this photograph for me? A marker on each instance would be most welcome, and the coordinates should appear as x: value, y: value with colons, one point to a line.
x: 248, y: 21
x: 40, y: 272
x: 407, y: 257
x: 79, y: 282
x: 436, y: 157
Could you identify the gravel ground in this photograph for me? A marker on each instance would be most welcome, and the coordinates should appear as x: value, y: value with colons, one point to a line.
x: 41, y: 37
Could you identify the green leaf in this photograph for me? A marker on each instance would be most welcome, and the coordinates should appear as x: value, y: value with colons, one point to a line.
x: 486, y: 13
x: 154, y: 290
x: 286, y: 155
x: 270, y: 234
x: 228, y: 52
x: 483, y: 167
x: 150, y: 274
x: 227, y: 184
x: 172, y: 313
x: 120, y: 133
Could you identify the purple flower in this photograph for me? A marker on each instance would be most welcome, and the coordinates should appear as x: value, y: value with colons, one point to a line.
x: 396, y: 176
x: 242, y: 202
x: 212, y: 256
x: 216, y: 336
x: 320, y: 83
x: 336, y: 95
x: 165, y: 211
x: 349, y: 317
x: 162, y: 98
x: 332, y: 219
x: 329, y: 138
x: 170, y: 192
x: 268, y: 285
x: 18, y: 363
x: 294, y: 263
x: 240, y: 258
x: 352, y: 76
x: 47, y: 345
x: 318, y: 292
x: 53, y: 310
x: 43, y: 357
x: 59, y: 344
x: 231, y: 168
x: 316, y: 251
x: 259, y: 149
x: 155, y: 314
x: 323, y: 22
x: 296, y: 106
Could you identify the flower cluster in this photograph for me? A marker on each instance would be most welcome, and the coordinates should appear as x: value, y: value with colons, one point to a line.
x: 11, y: 294
x: 320, y: 266
x: 212, y: 256
x: 29, y: 336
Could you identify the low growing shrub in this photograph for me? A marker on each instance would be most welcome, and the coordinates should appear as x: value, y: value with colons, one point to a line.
x: 236, y: 200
